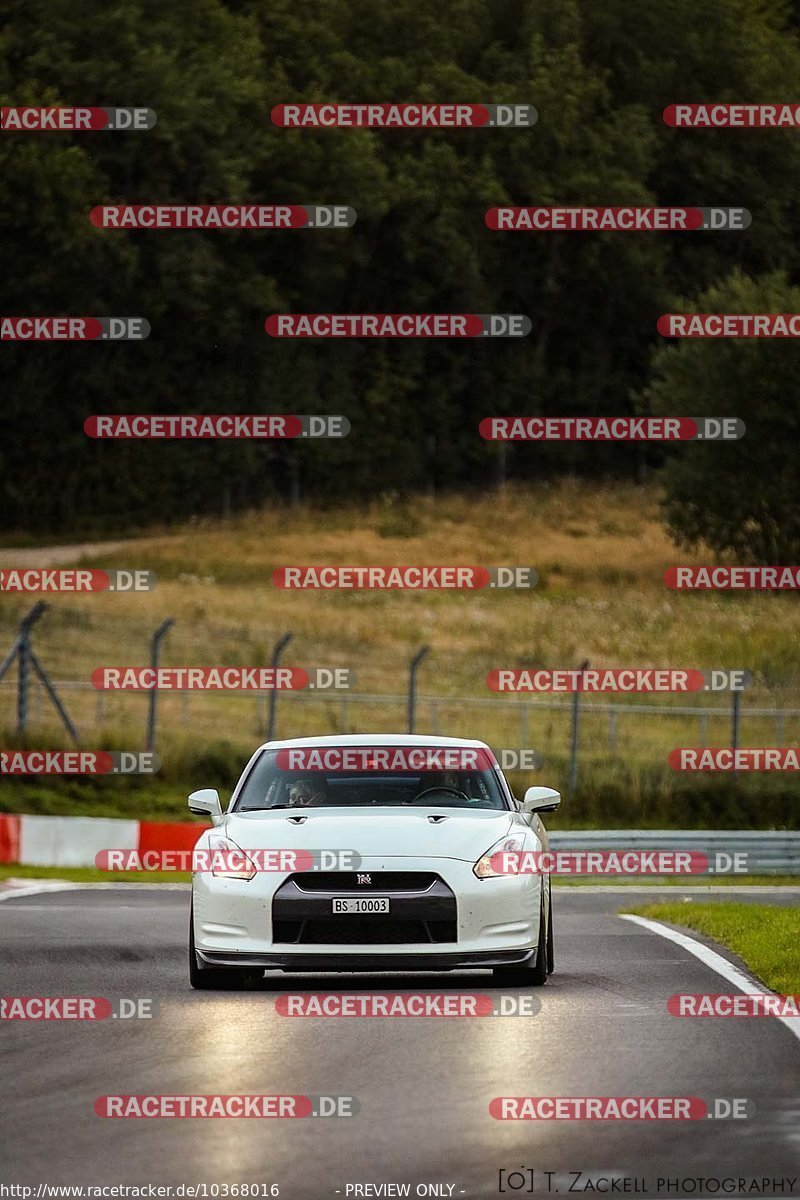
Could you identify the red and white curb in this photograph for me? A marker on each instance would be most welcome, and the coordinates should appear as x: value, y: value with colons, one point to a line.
x: 75, y: 841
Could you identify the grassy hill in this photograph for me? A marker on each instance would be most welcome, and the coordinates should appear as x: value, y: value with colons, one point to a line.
x: 600, y: 552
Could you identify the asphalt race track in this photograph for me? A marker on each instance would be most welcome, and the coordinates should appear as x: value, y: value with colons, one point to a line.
x: 424, y: 1084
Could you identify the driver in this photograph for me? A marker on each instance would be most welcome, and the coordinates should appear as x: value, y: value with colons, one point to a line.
x: 307, y: 793
x: 447, y: 782
x: 466, y: 784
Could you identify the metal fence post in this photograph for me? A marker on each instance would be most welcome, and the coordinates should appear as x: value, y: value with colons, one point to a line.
x: 155, y: 650
x: 51, y: 691
x: 736, y: 719
x: 24, y: 663
x: 277, y: 651
x: 413, y: 667
x: 573, y: 754
x: 735, y: 722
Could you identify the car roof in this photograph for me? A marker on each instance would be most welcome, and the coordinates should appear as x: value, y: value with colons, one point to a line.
x: 375, y: 739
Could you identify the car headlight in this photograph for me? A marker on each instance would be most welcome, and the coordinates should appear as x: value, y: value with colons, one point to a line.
x: 512, y: 844
x: 229, y: 861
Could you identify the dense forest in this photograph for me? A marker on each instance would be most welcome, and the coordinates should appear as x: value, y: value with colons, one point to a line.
x: 599, y: 75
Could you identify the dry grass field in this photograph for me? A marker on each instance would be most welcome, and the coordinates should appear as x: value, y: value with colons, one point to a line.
x: 600, y: 552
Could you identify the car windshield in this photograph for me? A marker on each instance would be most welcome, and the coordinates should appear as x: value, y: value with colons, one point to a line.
x: 273, y: 784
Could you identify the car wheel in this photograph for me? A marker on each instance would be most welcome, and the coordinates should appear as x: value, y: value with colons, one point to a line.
x: 533, y: 976
x: 550, y: 951
x: 218, y: 978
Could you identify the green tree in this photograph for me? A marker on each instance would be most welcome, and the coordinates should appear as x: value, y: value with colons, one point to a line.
x: 740, y: 498
x: 213, y: 69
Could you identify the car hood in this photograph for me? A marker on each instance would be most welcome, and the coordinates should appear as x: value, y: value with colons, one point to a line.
x: 384, y: 832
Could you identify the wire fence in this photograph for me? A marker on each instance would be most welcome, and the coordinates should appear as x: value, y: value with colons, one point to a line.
x: 608, y: 729
x: 583, y: 728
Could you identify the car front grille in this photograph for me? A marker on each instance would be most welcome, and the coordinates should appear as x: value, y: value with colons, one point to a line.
x: 340, y: 882
x: 370, y: 930
x: 422, y: 910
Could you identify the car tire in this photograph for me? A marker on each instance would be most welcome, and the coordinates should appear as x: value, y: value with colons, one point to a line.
x: 531, y: 976
x: 218, y: 978
x: 551, y: 960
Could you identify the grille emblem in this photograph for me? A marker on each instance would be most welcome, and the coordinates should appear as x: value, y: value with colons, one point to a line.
x: 363, y: 879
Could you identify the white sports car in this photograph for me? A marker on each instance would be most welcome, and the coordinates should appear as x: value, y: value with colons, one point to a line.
x: 370, y: 853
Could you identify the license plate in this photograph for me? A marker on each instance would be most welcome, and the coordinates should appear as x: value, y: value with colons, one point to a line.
x: 361, y: 904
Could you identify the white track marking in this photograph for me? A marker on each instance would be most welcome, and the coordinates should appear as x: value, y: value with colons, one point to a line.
x: 716, y: 963
x: 37, y: 889
x: 41, y: 887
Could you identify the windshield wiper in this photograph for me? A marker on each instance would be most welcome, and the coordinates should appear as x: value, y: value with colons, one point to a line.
x: 263, y: 807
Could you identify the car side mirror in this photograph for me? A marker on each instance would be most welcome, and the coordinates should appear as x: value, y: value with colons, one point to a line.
x: 206, y: 803
x: 541, y: 799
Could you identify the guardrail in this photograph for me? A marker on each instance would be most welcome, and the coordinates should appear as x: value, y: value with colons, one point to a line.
x: 769, y: 852
x: 74, y: 841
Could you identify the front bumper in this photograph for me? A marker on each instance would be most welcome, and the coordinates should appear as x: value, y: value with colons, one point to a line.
x: 464, y: 923
x: 336, y: 961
